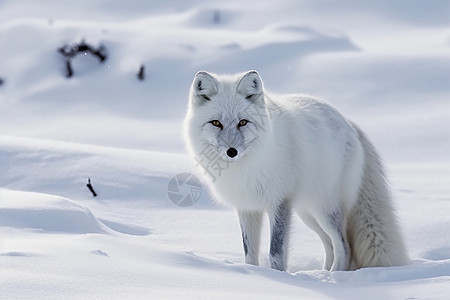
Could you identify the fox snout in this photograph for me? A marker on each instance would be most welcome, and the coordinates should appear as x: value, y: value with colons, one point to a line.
x: 230, y: 141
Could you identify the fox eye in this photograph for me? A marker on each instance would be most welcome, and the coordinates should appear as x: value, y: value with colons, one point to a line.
x: 242, y: 123
x: 216, y: 123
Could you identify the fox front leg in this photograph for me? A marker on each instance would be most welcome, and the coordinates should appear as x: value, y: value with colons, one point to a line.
x: 280, y: 219
x: 251, y: 222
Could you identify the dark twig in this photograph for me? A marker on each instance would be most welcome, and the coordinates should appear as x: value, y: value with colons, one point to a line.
x: 141, y: 73
x: 69, y: 52
x: 68, y: 68
x: 89, y: 185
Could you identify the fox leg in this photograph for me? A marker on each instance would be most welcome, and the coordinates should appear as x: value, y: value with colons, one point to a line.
x: 334, y: 227
x: 279, y: 224
x: 311, y: 222
x: 251, y: 222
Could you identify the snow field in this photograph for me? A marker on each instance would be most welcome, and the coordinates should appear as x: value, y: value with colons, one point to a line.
x: 384, y: 65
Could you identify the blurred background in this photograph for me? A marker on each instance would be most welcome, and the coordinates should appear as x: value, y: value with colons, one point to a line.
x: 383, y: 64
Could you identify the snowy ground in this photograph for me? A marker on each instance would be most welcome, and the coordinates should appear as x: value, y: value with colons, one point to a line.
x: 384, y: 64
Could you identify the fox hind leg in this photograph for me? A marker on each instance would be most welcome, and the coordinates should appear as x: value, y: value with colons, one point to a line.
x: 334, y: 227
x: 311, y: 222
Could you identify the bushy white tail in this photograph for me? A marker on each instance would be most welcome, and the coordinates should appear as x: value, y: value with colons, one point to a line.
x: 372, y: 230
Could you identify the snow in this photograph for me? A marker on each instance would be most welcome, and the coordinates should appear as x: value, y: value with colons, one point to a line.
x: 383, y: 64
x: 28, y: 210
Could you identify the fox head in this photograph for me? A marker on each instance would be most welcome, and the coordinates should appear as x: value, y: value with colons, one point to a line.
x: 227, y: 116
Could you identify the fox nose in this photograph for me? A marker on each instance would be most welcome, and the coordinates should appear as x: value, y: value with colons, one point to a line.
x: 232, y: 152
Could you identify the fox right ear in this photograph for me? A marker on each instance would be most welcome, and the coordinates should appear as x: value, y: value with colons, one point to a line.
x: 204, y: 86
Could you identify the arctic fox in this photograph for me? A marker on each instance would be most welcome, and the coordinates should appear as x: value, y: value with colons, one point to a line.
x: 282, y: 153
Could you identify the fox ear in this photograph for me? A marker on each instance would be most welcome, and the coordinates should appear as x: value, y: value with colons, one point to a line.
x: 204, y: 87
x: 250, y: 85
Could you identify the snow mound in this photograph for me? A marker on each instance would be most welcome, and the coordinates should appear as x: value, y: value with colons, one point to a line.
x: 47, y: 213
x: 63, y: 169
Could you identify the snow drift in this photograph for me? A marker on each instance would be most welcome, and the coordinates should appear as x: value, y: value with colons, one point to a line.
x: 28, y: 210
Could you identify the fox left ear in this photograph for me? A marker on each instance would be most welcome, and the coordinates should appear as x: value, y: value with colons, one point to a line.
x: 250, y: 85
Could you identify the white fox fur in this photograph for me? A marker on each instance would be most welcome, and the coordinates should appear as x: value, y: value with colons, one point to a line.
x: 280, y: 153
